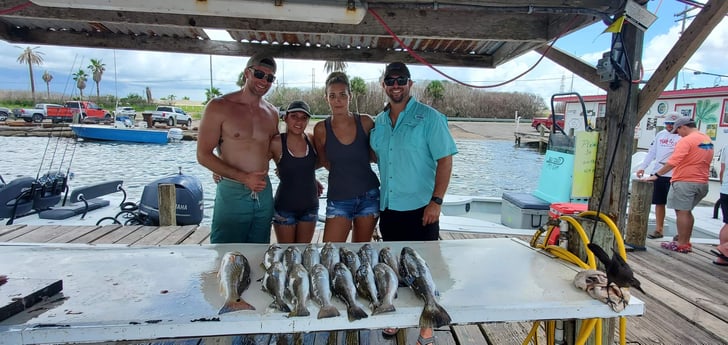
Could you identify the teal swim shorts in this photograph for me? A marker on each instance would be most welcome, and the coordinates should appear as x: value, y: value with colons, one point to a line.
x: 241, y: 216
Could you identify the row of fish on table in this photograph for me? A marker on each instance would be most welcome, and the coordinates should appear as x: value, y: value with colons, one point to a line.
x: 292, y: 277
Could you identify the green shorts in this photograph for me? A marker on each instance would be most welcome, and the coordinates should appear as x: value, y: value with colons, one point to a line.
x: 240, y: 218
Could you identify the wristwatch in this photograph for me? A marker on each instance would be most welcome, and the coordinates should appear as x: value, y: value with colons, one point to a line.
x: 436, y: 200
x: 657, y: 175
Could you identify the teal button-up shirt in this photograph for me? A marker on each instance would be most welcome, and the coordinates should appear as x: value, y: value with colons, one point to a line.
x: 407, y: 154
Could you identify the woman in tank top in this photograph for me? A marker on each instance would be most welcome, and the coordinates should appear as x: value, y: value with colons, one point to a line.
x: 342, y: 143
x: 296, y: 199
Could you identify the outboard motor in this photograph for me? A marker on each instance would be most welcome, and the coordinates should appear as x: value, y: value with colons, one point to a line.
x: 189, y: 199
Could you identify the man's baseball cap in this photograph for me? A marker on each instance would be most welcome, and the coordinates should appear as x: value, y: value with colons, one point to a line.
x: 397, y: 68
x: 682, y: 121
x: 670, y: 118
x: 299, y: 106
x: 262, y: 59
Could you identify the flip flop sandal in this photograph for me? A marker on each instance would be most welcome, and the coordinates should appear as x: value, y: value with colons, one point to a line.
x: 720, y: 263
x: 426, y: 341
x: 719, y: 254
x: 685, y: 248
x: 655, y: 235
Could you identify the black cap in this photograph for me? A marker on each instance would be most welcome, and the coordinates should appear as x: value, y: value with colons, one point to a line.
x: 299, y: 106
x: 262, y: 59
x: 397, y: 68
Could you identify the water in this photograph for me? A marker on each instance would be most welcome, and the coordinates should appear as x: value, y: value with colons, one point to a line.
x: 484, y: 168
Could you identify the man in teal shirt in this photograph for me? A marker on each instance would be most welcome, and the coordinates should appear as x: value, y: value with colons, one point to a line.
x: 414, y: 151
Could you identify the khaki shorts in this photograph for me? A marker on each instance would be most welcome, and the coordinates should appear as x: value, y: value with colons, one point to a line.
x: 684, y: 196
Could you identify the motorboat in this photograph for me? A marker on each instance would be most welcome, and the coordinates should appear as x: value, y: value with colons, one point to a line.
x: 47, y: 201
x: 125, y: 130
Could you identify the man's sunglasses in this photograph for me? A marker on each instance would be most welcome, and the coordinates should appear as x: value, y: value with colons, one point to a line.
x: 401, y: 81
x: 260, y: 75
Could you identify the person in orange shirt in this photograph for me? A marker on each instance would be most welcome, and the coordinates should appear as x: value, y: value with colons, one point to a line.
x: 690, y: 163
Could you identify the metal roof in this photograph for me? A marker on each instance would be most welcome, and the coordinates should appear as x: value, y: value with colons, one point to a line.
x: 451, y: 33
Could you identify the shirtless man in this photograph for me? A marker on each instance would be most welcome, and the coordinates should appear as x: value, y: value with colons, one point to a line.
x: 240, y: 125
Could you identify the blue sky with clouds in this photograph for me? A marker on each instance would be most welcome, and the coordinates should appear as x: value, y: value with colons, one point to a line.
x: 188, y: 75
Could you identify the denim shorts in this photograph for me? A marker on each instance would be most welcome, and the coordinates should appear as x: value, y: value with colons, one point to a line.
x: 366, y: 204
x: 281, y: 217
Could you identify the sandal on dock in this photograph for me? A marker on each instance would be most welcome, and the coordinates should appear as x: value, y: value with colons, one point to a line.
x: 655, y: 235
x: 685, y: 248
x: 426, y: 341
x: 719, y: 254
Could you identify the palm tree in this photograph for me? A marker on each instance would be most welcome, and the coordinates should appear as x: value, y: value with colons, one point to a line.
x: 97, y: 69
x: 358, y: 88
x: 47, y: 77
x: 31, y: 57
x: 335, y: 66
x: 80, y: 77
x: 211, y: 93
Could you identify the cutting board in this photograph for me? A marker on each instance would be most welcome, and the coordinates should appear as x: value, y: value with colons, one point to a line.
x: 18, y: 294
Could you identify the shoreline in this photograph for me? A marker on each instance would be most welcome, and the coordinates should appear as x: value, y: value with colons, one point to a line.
x: 458, y: 129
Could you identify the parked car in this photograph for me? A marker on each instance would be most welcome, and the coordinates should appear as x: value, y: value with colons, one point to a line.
x: 85, y: 109
x: 170, y: 115
x: 36, y: 114
x: 4, y: 113
x: 548, y: 121
x: 125, y: 111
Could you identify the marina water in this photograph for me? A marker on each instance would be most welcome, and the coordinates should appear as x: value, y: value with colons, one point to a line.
x: 483, y: 168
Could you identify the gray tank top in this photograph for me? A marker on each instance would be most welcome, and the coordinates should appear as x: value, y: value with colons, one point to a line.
x: 350, y: 173
x: 297, y: 190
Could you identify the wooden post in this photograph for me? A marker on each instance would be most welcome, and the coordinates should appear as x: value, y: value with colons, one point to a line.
x: 639, y: 214
x: 167, y: 201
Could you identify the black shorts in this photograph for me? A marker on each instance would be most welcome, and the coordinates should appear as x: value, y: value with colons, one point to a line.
x: 661, y: 187
x: 407, y: 226
x: 724, y: 206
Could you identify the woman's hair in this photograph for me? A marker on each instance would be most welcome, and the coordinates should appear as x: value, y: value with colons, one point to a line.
x: 338, y: 78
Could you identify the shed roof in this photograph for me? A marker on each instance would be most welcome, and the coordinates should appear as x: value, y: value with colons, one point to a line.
x: 482, y: 34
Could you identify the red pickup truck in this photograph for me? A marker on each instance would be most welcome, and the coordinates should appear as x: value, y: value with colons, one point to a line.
x: 548, y: 121
x: 86, y: 110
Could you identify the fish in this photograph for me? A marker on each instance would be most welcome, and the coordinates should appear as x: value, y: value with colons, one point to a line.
x: 321, y: 291
x: 386, y: 280
x: 415, y: 273
x: 273, y: 254
x: 297, y: 288
x: 368, y: 255
x: 310, y: 257
x: 343, y: 288
x: 274, y: 283
x: 329, y: 256
x: 292, y: 255
x: 365, y: 285
x: 348, y: 257
x: 234, y: 275
x: 386, y: 256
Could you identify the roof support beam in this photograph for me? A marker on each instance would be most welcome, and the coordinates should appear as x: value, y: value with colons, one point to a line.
x: 573, y: 64
x: 198, y: 46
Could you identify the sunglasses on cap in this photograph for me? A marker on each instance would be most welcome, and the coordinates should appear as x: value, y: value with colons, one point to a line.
x: 261, y: 75
x: 401, y: 81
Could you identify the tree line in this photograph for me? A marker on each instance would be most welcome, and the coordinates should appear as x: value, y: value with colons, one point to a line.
x: 452, y: 99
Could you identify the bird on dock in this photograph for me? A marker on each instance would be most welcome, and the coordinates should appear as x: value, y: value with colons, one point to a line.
x: 617, y: 270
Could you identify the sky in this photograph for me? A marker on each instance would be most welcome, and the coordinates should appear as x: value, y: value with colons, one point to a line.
x: 188, y: 75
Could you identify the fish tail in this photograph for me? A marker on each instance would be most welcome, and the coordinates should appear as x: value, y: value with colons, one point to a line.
x: 384, y: 307
x: 280, y: 305
x: 434, y: 316
x: 235, y: 306
x: 356, y: 313
x: 299, y: 310
x: 328, y: 311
